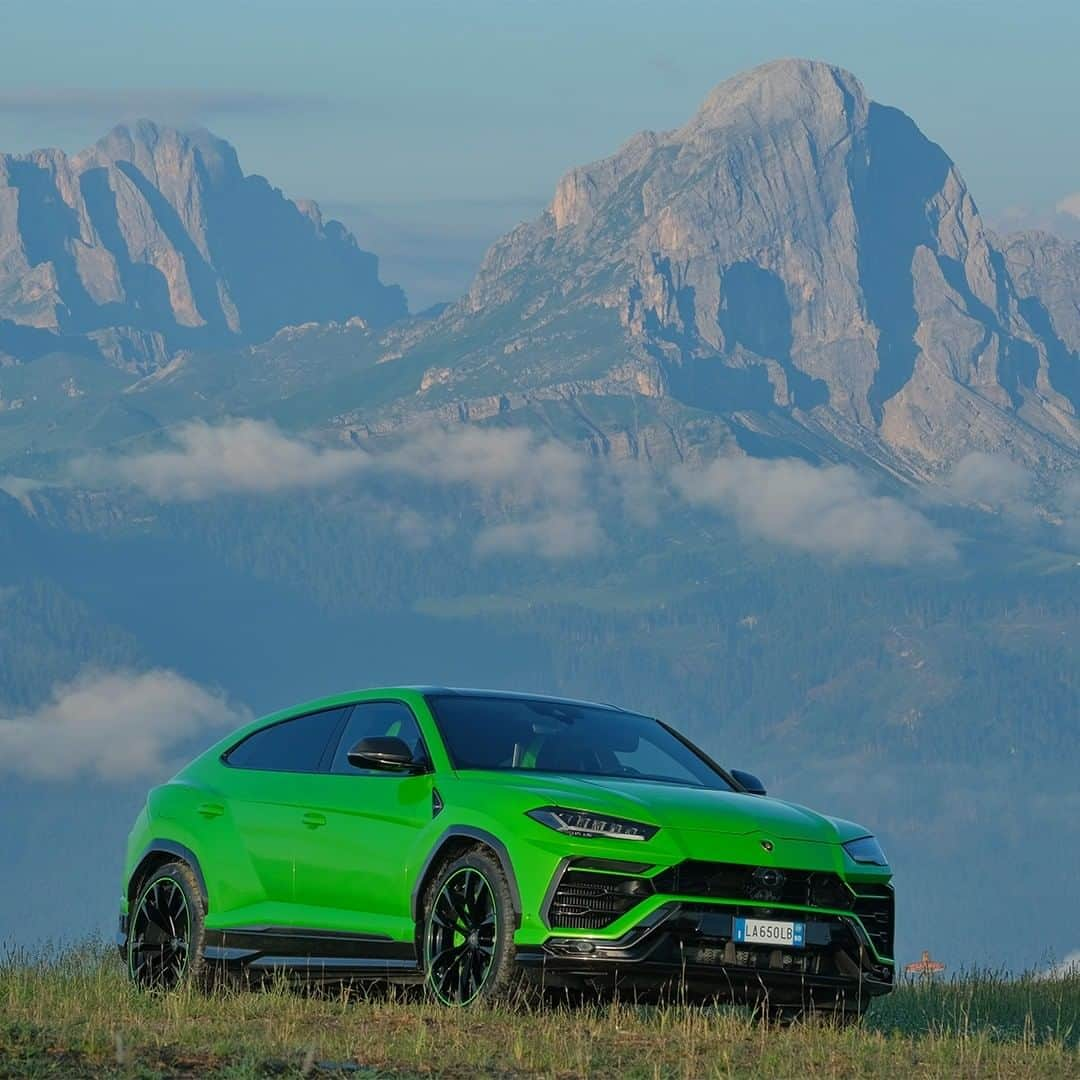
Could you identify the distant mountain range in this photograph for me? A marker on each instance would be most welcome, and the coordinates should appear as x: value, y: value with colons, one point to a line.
x: 152, y: 240
x: 796, y: 263
x: 797, y: 270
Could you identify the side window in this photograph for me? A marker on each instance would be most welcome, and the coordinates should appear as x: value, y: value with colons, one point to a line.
x: 291, y: 746
x: 374, y: 718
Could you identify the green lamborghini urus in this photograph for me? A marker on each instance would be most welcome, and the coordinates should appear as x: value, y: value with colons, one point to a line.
x: 473, y: 840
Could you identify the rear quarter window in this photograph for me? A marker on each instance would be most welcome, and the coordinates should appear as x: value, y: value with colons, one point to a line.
x: 296, y: 745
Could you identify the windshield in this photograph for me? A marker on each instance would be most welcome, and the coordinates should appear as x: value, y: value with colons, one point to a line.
x: 553, y: 736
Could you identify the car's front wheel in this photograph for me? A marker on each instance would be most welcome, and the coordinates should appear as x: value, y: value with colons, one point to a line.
x: 468, y: 930
x: 165, y: 929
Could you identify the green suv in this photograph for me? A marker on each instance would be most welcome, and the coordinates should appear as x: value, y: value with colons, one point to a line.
x: 469, y: 839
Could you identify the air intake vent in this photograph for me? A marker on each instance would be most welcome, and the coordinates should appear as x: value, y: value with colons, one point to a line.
x: 587, y: 901
x: 733, y: 881
x: 875, y: 907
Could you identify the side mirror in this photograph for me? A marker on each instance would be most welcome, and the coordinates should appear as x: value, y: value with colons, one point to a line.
x: 748, y: 781
x: 386, y: 752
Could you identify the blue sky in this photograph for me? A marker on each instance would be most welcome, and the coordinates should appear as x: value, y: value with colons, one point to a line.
x: 471, y: 110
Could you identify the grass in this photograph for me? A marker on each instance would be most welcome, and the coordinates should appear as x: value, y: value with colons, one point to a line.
x: 73, y: 1014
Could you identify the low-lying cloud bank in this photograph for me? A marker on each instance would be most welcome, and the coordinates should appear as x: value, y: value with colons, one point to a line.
x: 541, y: 479
x: 118, y: 725
x: 545, y: 493
x: 829, y: 511
x: 996, y: 483
x: 239, y: 457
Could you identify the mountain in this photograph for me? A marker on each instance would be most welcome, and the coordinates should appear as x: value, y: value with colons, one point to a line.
x: 1045, y: 270
x: 795, y: 271
x: 798, y: 266
x: 153, y: 239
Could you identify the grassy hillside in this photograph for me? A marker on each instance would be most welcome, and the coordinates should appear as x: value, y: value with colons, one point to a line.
x: 74, y: 1015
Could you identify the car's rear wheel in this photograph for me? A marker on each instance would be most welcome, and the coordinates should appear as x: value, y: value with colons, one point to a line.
x: 468, y: 930
x: 166, y: 929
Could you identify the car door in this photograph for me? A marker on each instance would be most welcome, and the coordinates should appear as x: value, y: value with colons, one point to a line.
x: 352, y: 874
x: 267, y: 792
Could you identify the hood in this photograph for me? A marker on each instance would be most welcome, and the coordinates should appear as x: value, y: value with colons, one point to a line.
x: 674, y: 806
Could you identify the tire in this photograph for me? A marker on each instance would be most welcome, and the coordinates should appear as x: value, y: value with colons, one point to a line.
x: 467, y: 931
x: 166, y: 931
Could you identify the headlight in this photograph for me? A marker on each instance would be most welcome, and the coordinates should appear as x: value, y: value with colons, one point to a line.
x: 866, y: 850
x: 583, y: 823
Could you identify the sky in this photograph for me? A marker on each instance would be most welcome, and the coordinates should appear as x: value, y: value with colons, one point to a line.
x: 459, y: 118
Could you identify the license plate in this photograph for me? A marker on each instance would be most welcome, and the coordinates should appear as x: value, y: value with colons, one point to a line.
x: 770, y: 932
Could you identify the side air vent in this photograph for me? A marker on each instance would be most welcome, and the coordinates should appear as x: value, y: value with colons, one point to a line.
x: 591, y: 901
x: 875, y: 906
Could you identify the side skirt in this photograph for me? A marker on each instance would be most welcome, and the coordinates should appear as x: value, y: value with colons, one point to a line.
x: 312, y: 954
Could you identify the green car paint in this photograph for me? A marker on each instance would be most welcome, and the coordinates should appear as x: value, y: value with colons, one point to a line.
x: 349, y: 855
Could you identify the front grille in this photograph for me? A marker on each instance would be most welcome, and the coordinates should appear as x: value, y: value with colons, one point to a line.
x: 732, y: 881
x: 875, y: 905
x: 590, y: 901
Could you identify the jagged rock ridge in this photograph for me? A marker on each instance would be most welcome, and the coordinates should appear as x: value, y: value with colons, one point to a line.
x: 795, y: 256
x: 154, y: 239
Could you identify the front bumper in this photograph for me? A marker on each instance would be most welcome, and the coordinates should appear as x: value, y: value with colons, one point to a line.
x: 688, y: 949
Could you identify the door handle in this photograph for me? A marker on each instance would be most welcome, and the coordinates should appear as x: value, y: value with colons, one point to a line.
x: 211, y: 809
x: 314, y: 821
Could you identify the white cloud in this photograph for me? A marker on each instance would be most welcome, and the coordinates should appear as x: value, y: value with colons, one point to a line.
x: 825, y: 511
x: 991, y: 479
x: 1064, y: 969
x: 530, y: 467
x: 19, y: 487
x: 114, y: 725
x: 560, y: 534
x: 542, y: 485
x: 539, y: 485
x: 235, y: 457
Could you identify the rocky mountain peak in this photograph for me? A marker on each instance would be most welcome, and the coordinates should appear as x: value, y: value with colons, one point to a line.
x: 154, y: 239
x: 158, y: 151
x: 782, y: 91
x: 794, y: 250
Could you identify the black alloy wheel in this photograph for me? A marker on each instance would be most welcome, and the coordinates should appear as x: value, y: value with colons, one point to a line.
x: 462, y: 936
x: 166, y: 930
x: 160, y: 937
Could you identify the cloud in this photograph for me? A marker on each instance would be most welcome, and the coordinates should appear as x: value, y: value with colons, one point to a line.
x: 19, y: 487
x: 175, y: 105
x: 1064, y: 969
x: 113, y: 725
x: 544, y: 482
x: 996, y: 482
x: 993, y: 482
x: 556, y: 535
x: 541, y: 486
x: 512, y: 459
x: 992, y: 479
x: 829, y: 511
x: 236, y: 457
